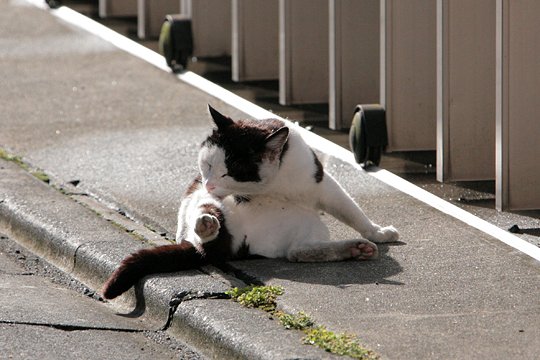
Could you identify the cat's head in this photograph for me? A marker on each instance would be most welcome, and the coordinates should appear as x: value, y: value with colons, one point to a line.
x: 240, y: 157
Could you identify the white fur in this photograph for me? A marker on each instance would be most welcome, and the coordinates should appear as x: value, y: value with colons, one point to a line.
x: 269, y: 227
x: 272, y: 228
x: 292, y: 180
x: 189, y: 214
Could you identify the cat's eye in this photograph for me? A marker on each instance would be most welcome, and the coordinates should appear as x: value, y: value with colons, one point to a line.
x: 224, y: 175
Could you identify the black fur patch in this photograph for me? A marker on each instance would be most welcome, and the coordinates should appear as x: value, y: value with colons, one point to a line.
x: 319, y: 172
x: 244, y: 145
x: 243, y: 251
x: 212, y: 209
x: 194, y: 186
x: 239, y: 199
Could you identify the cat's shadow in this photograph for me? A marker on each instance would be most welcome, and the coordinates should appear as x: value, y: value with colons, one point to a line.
x: 259, y: 271
x: 340, y: 274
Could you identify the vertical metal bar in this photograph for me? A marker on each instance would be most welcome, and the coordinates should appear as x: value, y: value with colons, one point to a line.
x: 335, y: 121
x: 383, y: 50
x: 284, y: 52
x: 442, y: 113
x: 501, y: 130
x: 236, y: 41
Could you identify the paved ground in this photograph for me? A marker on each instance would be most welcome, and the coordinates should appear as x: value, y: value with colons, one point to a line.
x: 47, y: 315
x: 108, y: 127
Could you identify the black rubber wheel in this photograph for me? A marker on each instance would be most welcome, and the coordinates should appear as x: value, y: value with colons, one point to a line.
x: 374, y: 155
x: 368, y: 135
x: 357, y: 146
x: 176, y: 41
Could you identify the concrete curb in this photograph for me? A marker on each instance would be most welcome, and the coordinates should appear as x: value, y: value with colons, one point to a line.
x: 87, y: 246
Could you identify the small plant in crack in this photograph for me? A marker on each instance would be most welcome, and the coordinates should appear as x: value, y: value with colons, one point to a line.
x: 265, y: 298
x: 40, y: 175
x: 340, y: 344
x: 260, y: 297
x: 4, y: 154
x: 299, y: 321
x: 37, y: 173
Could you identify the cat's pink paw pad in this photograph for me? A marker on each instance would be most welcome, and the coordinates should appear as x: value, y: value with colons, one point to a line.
x: 207, y: 226
x: 364, y: 251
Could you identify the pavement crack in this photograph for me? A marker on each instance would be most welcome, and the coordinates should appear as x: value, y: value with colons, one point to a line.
x: 72, y: 327
x: 10, y: 273
x: 188, y: 295
x: 75, y: 257
x: 94, y: 328
x: 114, y: 214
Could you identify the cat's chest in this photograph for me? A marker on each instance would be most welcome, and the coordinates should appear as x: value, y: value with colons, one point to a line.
x: 296, y: 188
x: 262, y: 224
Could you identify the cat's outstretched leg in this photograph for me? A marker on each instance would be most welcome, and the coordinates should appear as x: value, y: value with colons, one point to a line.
x: 335, y: 200
x: 333, y: 251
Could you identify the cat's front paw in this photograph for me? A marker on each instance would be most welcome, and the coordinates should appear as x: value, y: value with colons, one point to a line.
x: 383, y: 235
x: 364, y: 250
x: 207, y: 227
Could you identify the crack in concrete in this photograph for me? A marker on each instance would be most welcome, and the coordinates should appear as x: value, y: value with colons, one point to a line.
x: 140, y: 230
x: 9, y: 273
x: 71, y: 327
x: 75, y: 257
x: 188, y: 295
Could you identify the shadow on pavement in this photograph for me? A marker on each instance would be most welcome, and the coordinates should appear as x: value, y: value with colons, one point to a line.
x: 260, y: 271
x: 340, y: 274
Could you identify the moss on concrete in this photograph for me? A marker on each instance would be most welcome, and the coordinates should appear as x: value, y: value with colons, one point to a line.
x: 340, y: 344
x: 260, y: 297
x: 265, y: 298
x: 37, y: 173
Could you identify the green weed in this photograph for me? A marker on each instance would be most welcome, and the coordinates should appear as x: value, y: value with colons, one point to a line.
x: 37, y: 173
x: 340, y: 344
x: 300, y: 321
x: 260, y: 297
x: 265, y: 298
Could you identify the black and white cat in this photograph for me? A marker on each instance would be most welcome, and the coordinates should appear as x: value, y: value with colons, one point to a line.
x: 259, y: 192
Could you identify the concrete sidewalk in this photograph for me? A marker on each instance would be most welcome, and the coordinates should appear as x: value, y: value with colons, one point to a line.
x: 74, y: 325
x: 112, y: 131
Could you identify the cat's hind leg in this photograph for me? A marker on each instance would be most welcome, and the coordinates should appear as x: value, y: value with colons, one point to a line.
x: 322, y: 251
x: 200, y: 218
x: 207, y: 226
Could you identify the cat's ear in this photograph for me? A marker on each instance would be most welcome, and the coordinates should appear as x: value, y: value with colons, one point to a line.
x: 277, y: 140
x: 220, y: 120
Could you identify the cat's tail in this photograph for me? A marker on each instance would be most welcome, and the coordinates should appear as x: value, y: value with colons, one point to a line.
x: 159, y: 259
